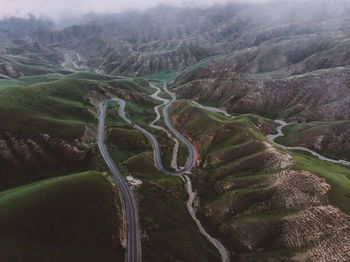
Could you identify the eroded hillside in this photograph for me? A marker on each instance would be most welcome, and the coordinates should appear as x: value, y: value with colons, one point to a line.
x: 320, y: 96
x: 258, y: 200
x: 47, y: 139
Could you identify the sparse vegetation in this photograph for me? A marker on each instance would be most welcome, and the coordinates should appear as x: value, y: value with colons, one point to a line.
x: 233, y: 181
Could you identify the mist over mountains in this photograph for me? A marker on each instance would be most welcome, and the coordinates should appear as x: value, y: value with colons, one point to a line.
x: 61, y: 10
x: 258, y: 90
x: 252, y: 38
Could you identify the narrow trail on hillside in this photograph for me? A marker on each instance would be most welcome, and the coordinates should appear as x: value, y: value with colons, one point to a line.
x: 280, y: 133
x: 152, y: 124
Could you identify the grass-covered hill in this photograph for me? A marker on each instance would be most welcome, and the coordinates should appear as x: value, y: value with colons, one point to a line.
x: 263, y: 203
x: 318, y: 101
x: 48, y: 123
x: 168, y: 231
x: 72, y: 218
x: 56, y: 201
x: 329, y: 138
x: 260, y: 202
x: 43, y: 127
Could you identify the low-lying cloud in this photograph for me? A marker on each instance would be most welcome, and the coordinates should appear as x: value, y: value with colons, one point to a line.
x: 57, y: 9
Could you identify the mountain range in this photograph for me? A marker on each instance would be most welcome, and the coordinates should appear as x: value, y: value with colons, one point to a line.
x: 224, y: 77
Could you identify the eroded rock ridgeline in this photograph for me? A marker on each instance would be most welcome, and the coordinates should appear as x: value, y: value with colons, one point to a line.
x: 27, y: 153
x: 318, y: 96
x: 294, y: 210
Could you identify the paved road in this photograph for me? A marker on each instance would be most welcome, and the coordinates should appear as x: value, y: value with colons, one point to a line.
x: 212, y: 109
x: 133, y: 238
x: 282, y: 124
x: 272, y: 138
x: 133, y: 245
x: 153, y: 125
x: 156, y: 151
x: 132, y: 224
x: 190, y: 161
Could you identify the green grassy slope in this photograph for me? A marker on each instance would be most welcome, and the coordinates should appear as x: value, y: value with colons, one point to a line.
x: 62, y: 107
x: 30, y: 80
x: 55, y: 107
x: 336, y: 175
x: 58, y: 109
x: 142, y: 113
x: 328, y: 138
x: 169, y: 232
x: 232, y: 182
x: 221, y: 160
x: 71, y: 218
x: 65, y: 109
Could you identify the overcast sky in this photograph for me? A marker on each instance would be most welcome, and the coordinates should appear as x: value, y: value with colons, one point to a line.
x: 58, y: 8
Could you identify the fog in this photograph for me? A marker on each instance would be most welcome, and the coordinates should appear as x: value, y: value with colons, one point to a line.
x: 56, y: 10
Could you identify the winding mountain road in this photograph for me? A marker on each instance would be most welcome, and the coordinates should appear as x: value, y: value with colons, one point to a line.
x: 272, y: 138
x: 212, y: 109
x: 153, y: 125
x: 133, y: 238
x: 191, y: 158
x: 282, y: 124
x: 133, y: 241
x: 156, y: 151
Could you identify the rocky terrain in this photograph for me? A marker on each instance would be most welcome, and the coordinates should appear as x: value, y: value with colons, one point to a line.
x: 331, y: 138
x: 318, y: 96
x: 45, y: 154
x: 259, y: 62
x: 19, y: 58
x: 289, y: 56
x: 273, y: 213
x: 321, y: 96
x: 252, y: 38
